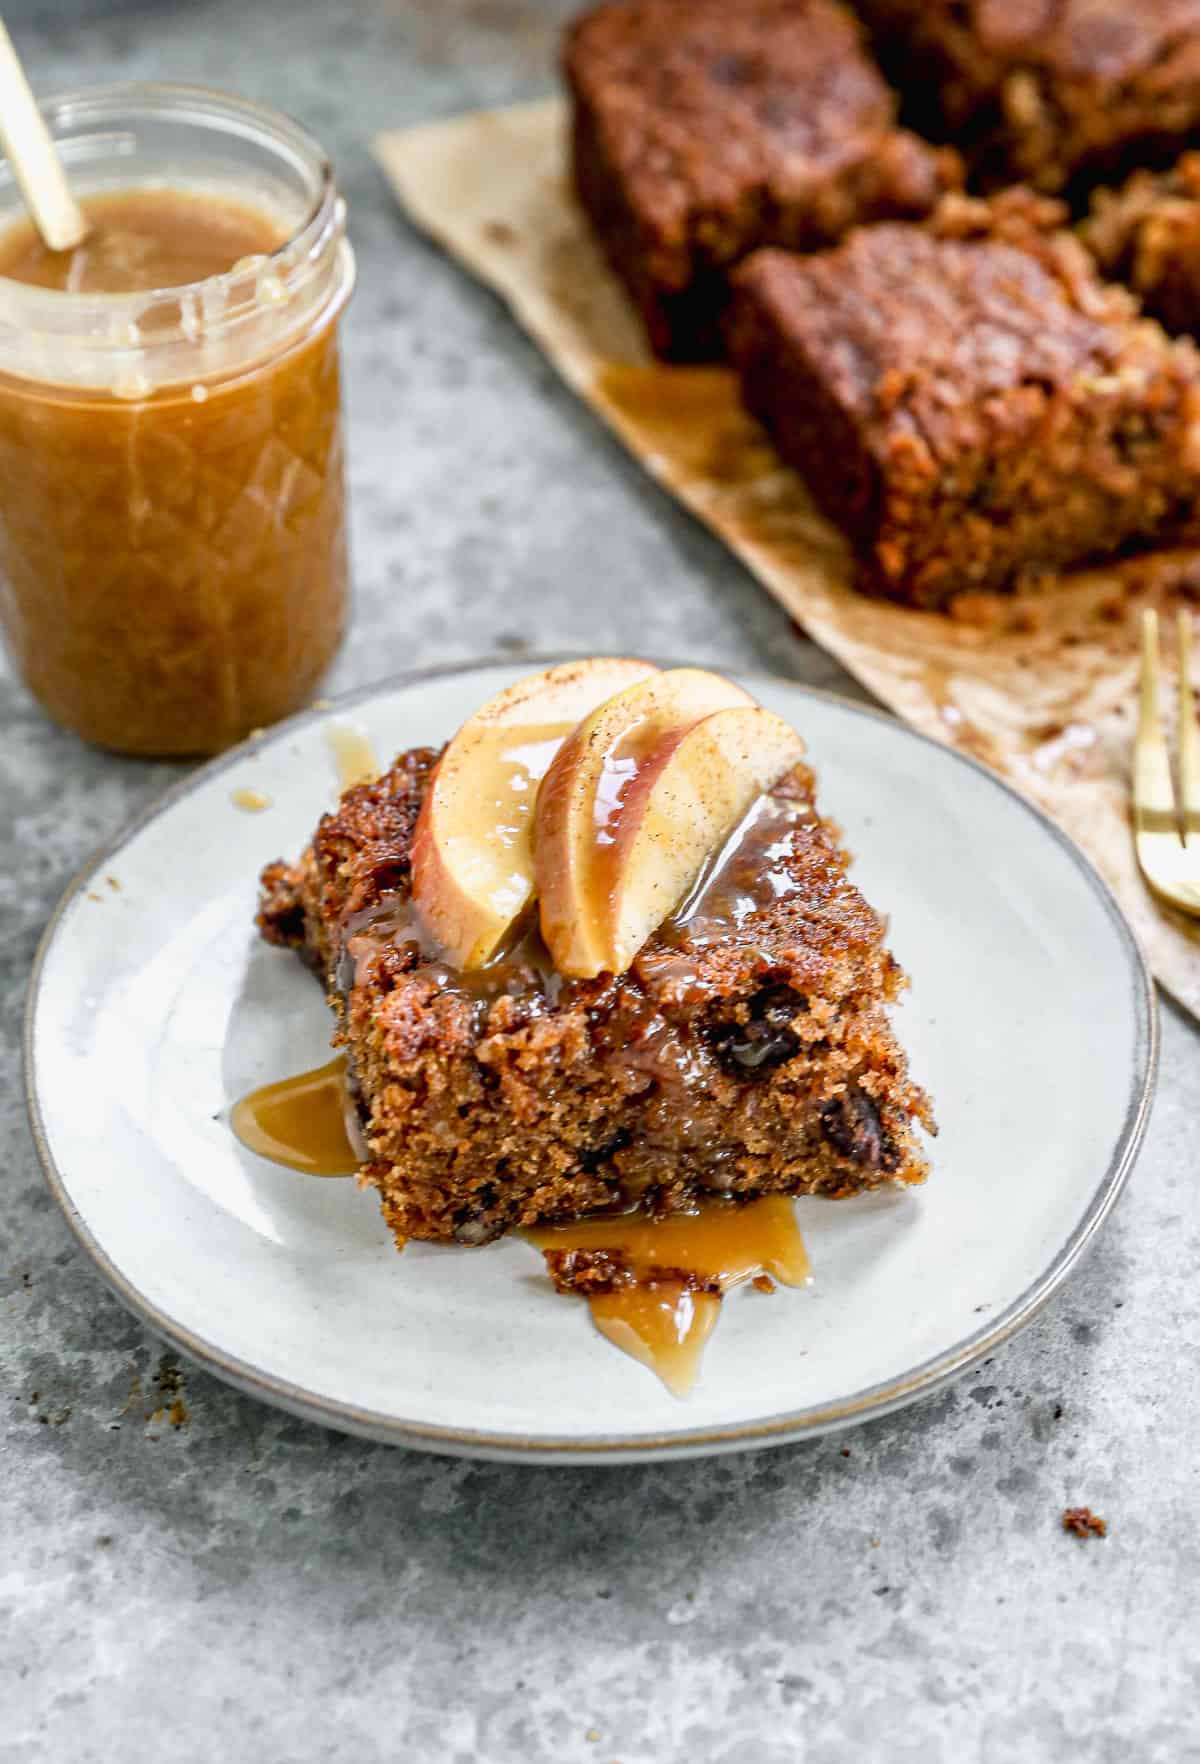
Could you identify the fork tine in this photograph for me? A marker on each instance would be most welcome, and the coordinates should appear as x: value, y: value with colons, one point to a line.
x: 1153, y: 793
x: 1189, y: 734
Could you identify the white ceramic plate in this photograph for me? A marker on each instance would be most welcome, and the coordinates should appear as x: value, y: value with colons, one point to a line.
x: 153, y: 1006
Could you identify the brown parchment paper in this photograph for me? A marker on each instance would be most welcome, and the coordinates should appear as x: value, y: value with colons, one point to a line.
x: 1040, y: 685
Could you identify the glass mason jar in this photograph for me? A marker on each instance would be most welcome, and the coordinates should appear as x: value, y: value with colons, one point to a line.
x: 173, y: 567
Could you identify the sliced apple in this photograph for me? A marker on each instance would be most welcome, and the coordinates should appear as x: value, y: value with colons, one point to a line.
x: 472, y: 865
x: 580, y: 803
x: 678, y: 814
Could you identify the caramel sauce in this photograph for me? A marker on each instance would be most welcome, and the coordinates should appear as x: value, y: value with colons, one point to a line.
x: 690, y: 419
x: 173, y: 566
x: 353, y: 755
x: 663, y: 1320
x: 750, y: 872
x: 140, y: 240
x: 519, y: 756
x: 619, y: 772
x: 665, y: 1327
x: 522, y: 962
x: 301, y: 1122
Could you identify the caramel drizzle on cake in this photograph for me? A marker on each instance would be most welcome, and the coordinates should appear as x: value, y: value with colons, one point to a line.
x: 599, y: 960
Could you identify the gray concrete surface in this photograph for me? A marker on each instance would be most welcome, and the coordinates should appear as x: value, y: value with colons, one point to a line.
x: 251, y: 1587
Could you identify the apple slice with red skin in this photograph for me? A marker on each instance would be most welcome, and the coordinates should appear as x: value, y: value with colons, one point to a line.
x: 581, y: 804
x: 678, y: 813
x: 472, y: 863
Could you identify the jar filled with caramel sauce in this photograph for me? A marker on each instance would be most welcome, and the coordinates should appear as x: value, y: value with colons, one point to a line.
x: 173, y: 569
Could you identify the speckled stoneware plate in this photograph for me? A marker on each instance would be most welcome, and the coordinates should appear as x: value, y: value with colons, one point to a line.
x: 153, y: 1006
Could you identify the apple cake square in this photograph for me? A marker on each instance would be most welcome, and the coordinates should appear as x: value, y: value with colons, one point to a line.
x: 601, y: 952
x: 704, y: 131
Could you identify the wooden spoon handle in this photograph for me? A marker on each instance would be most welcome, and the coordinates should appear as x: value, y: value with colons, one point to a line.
x: 33, y: 157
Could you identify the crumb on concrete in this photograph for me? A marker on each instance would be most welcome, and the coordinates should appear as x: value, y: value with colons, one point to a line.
x: 166, y: 1397
x: 175, y: 1414
x: 1082, y: 1522
x: 168, y: 1379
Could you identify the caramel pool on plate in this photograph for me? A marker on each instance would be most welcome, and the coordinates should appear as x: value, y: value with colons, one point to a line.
x: 672, y: 1273
x: 172, y: 526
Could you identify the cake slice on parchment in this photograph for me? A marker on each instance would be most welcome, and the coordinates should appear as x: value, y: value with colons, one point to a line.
x: 1057, y: 95
x: 968, y: 400
x: 702, y: 131
x: 1146, y: 234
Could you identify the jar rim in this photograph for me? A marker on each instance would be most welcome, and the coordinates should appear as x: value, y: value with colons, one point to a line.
x: 167, y: 101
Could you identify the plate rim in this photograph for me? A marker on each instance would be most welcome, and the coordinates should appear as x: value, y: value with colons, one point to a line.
x: 923, y: 1380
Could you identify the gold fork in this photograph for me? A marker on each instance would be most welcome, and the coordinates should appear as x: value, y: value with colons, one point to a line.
x: 1167, y: 831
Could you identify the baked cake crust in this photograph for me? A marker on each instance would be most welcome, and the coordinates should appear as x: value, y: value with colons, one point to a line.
x: 1147, y: 235
x: 1059, y: 95
x: 968, y: 400
x: 703, y: 130
x: 737, y: 1057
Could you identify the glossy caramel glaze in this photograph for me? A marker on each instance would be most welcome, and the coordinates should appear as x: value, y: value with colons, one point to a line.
x: 143, y: 239
x: 654, y: 1286
x: 301, y: 1122
x: 353, y: 755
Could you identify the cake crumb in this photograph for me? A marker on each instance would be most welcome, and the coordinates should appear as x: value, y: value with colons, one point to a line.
x: 113, y: 883
x: 253, y: 801
x: 1082, y: 1522
x: 592, y: 1735
x: 763, y: 1283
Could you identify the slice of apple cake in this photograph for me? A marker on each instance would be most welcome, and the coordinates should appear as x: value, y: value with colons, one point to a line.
x: 602, y: 951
